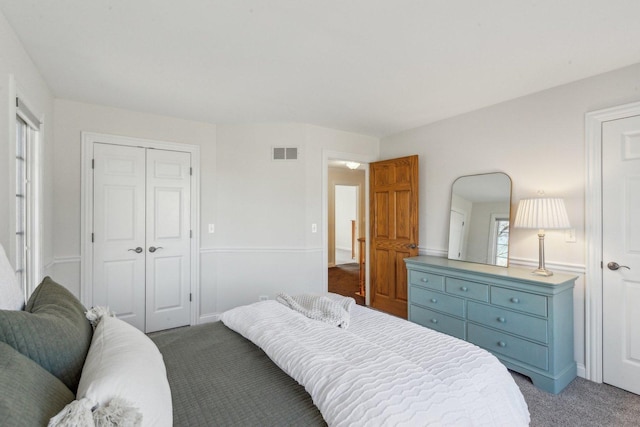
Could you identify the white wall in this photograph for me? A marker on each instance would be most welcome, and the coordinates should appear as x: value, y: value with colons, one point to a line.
x: 538, y: 140
x: 346, y: 199
x: 262, y: 209
x: 266, y: 208
x: 29, y: 84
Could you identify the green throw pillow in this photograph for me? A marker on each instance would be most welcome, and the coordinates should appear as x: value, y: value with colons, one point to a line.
x: 29, y: 395
x: 52, y: 331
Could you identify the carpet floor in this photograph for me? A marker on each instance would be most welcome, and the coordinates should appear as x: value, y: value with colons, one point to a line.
x: 583, y: 403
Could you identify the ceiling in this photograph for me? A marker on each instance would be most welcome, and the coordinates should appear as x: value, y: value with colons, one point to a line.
x: 375, y: 67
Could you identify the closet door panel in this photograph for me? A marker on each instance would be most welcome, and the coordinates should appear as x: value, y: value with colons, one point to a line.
x: 119, y: 229
x: 168, y: 239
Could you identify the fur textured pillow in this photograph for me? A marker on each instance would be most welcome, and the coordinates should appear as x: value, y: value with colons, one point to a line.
x: 52, y: 331
x: 124, y: 363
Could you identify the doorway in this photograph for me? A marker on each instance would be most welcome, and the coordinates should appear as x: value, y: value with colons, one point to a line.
x: 613, y: 246
x: 346, y: 207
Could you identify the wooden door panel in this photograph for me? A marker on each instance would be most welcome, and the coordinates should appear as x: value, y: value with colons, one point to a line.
x: 381, y: 267
x: 401, y: 290
x: 403, y: 174
x: 381, y: 218
x: 394, y: 230
x: 403, y: 215
x: 383, y: 176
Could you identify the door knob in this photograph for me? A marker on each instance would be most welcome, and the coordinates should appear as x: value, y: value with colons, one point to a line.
x: 614, y: 266
x: 136, y: 250
x: 154, y: 248
x: 412, y: 246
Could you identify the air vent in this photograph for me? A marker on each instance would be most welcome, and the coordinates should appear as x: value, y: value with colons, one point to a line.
x: 284, y: 153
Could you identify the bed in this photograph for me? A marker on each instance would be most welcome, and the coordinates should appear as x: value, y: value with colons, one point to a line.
x: 263, y: 364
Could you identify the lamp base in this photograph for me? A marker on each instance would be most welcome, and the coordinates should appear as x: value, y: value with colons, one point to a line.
x: 542, y: 272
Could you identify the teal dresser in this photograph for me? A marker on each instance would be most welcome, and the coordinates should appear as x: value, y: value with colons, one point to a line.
x: 526, y: 321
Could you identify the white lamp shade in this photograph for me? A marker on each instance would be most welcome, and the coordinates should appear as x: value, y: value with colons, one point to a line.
x: 542, y: 213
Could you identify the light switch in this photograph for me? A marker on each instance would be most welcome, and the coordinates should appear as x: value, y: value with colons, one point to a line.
x: 212, y: 228
x: 570, y: 235
x: 314, y: 228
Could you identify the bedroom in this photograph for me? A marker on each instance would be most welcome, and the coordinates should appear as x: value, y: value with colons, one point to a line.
x: 537, y: 137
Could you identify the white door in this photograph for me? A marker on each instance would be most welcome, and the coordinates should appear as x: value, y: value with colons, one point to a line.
x: 119, y: 231
x: 168, y: 240
x: 621, y: 252
x: 141, y: 249
x: 456, y: 234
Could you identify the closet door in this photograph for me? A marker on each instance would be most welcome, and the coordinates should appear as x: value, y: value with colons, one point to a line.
x: 168, y: 239
x: 119, y: 231
x: 141, y: 235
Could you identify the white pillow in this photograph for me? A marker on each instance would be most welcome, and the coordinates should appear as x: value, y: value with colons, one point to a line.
x: 123, y: 362
x: 11, y: 296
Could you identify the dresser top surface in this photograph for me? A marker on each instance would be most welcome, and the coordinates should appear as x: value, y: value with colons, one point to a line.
x: 518, y: 273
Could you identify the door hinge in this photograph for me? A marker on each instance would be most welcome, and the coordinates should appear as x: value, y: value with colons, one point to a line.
x: 601, y: 264
x: 190, y: 171
x: 190, y: 299
x: 191, y: 234
x: 93, y: 163
x: 91, y: 237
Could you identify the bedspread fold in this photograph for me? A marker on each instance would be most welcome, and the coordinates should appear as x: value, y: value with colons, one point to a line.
x: 334, y: 311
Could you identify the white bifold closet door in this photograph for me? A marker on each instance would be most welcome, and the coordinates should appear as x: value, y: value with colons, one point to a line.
x: 141, y: 226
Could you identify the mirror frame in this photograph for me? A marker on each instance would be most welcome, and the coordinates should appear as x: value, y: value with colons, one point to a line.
x: 453, y: 230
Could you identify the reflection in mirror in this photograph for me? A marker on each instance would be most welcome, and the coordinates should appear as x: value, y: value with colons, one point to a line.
x: 479, y: 219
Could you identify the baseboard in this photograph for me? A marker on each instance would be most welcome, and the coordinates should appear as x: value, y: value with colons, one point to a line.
x: 208, y: 318
x: 582, y: 370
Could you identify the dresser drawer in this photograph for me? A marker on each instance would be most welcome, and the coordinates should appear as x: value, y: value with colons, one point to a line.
x: 437, y: 321
x: 437, y: 301
x: 509, y: 321
x: 426, y: 280
x: 521, y: 301
x: 497, y: 342
x: 467, y: 289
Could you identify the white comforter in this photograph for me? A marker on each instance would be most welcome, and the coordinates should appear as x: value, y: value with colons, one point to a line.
x: 384, y: 370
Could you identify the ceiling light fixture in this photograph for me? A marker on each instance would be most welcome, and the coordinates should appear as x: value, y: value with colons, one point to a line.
x: 352, y: 165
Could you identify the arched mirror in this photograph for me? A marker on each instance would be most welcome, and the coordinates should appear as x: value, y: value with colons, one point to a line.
x: 479, y: 219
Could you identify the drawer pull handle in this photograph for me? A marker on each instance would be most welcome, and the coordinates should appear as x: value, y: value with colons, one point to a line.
x: 502, y: 320
x: 464, y: 289
x: 502, y: 344
x: 425, y: 280
x: 434, y: 320
x: 433, y: 300
x: 515, y: 300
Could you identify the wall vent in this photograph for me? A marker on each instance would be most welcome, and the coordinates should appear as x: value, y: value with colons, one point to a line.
x: 284, y: 153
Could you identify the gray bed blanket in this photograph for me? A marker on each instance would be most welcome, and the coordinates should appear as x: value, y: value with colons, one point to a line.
x: 218, y: 378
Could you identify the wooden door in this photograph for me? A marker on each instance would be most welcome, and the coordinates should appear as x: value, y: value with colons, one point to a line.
x: 168, y: 241
x: 621, y: 246
x: 394, y: 231
x: 119, y: 231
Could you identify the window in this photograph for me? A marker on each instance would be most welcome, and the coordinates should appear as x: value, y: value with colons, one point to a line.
x: 26, y: 206
x: 502, y: 241
x: 499, y: 239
